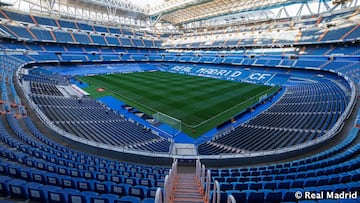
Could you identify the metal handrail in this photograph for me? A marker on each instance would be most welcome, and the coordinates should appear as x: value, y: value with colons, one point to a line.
x: 216, y: 192
x: 207, y: 188
x: 231, y: 199
x: 158, y: 196
x: 169, y: 182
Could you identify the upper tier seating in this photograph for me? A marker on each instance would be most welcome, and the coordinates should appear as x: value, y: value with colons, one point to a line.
x: 64, y: 31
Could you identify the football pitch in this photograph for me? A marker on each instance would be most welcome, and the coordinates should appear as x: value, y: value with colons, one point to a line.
x: 199, y: 103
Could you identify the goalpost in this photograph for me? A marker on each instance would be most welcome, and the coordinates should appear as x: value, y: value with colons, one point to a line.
x: 174, y: 123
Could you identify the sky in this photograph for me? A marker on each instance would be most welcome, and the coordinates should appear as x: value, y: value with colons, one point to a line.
x: 147, y: 2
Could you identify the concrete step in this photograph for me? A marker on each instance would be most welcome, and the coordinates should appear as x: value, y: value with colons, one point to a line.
x: 187, y: 190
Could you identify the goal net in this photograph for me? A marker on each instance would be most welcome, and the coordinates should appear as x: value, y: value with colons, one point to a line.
x: 174, y: 123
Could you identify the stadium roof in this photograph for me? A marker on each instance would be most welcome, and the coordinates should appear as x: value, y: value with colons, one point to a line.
x: 113, y: 7
x: 185, y: 11
x: 6, y: 3
x: 176, y: 15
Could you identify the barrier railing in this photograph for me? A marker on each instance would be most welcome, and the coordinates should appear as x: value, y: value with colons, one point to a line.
x: 169, y: 182
x: 204, y: 179
x: 198, y: 169
x: 207, y: 188
x: 158, y: 196
x: 216, y: 192
x: 200, y: 175
x: 231, y: 199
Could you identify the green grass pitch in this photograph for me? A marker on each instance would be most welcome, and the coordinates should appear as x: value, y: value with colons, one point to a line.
x: 200, y: 103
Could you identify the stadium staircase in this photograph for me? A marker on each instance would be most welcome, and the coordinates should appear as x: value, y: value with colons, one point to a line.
x: 187, y: 188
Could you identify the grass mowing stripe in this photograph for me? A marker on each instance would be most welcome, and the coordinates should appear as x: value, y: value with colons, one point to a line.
x: 193, y: 100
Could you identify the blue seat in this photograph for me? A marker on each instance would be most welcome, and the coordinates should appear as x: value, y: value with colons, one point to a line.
x: 75, y: 173
x: 104, y: 198
x: 120, y: 189
x: 345, y: 177
x: 289, y: 196
x: 300, y: 175
x: 4, y: 167
x: 131, y: 181
x: 284, y: 184
x: 241, y: 186
x: 41, y: 165
x: 256, y: 197
x: 298, y: 183
x: 159, y: 183
x: 18, y: 188
x: 328, y: 201
x: 128, y: 199
x: 223, y: 196
x: 103, y: 187
x: 279, y: 177
x: 63, y: 170
x: 38, y: 176
x: 147, y: 182
x: 270, y: 185
x: 117, y: 178
x: 82, y: 197
x: 89, y: 174
x: 54, y: 194
x: 273, y: 197
x: 226, y: 186
x: 354, y: 186
x: 348, y: 200
x: 356, y: 175
x: 139, y: 175
x: 152, y: 176
x: 138, y: 191
x: 68, y: 182
x: 77, y: 198
x: 322, y: 180
x: 102, y: 177
x: 334, y: 179
x: 52, y: 179
x: 255, y: 186
x: 148, y: 200
x: 152, y: 192
x: 340, y: 187
x: 68, y: 192
x: 239, y: 196
x: 25, y: 174
x: 14, y: 170
x: 3, y: 185
x: 326, y: 188
x: 244, y: 179
x: 219, y: 179
x: 36, y: 192
x: 51, y: 167
x: 314, y: 189
x: 84, y: 185
x: 310, y: 182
